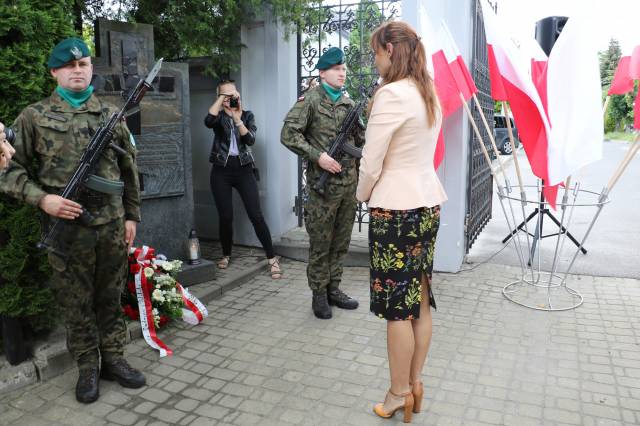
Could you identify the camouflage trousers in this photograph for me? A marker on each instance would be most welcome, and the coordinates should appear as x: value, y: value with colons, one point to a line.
x: 88, y: 285
x: 329, y: 223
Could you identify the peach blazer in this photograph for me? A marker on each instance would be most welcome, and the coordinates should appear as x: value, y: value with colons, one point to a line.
x: 396, y: 169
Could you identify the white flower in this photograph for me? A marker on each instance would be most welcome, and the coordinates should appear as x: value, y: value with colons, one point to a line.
x: 148, y: 272
x: 157, y: 296
x: 155, y: 312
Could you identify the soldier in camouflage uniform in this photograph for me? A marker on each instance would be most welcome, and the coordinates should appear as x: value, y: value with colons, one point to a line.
x: 50, y: 138
x: 309, y: 129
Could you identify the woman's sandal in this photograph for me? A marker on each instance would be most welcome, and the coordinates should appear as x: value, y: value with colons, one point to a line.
x: 223, y: 263
x: 406, y: 407
x: 274, y: 268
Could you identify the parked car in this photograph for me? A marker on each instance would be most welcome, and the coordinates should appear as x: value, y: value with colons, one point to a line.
x: 501, y: 134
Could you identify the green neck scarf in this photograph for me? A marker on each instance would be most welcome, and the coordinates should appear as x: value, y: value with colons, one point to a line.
x: 334, y: 94
x: 75, y: 99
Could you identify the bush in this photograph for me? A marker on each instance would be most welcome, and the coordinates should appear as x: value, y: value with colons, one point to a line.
x: 28, y: 32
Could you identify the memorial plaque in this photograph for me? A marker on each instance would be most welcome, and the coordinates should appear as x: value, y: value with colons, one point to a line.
x: 157, y: 124
x: 160, y: 124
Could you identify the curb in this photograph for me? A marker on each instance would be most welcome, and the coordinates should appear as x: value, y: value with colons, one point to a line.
x: 51, y: 358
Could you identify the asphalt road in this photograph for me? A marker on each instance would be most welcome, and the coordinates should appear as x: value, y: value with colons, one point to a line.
x: 614, y: 243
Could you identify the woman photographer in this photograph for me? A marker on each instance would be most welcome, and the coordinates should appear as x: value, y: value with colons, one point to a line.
x: 233, y: 167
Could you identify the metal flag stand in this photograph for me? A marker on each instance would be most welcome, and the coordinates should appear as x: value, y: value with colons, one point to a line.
x: 547, y: 289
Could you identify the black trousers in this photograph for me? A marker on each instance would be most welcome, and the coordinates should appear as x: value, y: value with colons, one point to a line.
x: 223, y: 180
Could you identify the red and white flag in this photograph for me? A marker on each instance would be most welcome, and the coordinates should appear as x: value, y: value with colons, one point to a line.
x: 570, y: 136
x: 574, y: 99
x: 622, y: 82
x: 459, y: 69
x: 539, y: 61
x: 634, y: 74
x: 634, y: 64
x: 510, y: 80
x: 443, y: 79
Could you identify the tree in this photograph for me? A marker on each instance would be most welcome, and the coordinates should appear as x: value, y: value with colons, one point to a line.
x: 192, y: 28
x: 609, y: 61
x: 620, y: 111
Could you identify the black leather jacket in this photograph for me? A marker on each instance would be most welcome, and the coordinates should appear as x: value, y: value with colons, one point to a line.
x: 222, y: 125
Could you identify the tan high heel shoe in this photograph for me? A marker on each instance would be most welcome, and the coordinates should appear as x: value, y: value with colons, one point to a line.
x: 407, y: 406
x: 417, y: 389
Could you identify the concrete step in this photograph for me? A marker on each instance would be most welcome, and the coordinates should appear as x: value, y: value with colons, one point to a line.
x: 295, y: 245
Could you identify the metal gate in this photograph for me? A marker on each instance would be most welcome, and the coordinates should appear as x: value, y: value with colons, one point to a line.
x: 347, y: 25
x: 480, y: 183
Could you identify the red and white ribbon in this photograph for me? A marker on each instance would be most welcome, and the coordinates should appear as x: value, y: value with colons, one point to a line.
x: 194, y: 311
x: 143, y: 258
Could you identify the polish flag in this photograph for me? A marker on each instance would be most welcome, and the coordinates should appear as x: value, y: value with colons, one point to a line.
x: 443, y: 79
x: 510, y: 81
x: 634, y: 64
x: 539, y: 61
x: 622, y: 81
x: 458, y: 67
x: 574, y: 99
x: 570, y: 136
x: 633, y: 74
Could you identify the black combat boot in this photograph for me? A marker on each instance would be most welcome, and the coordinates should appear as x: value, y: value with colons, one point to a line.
x: 87, y: 386
x: 120, y: 370
x: 341, y: 300
x: 321, y: 308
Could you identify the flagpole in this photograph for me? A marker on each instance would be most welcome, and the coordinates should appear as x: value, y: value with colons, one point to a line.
x: 493, y: 173
x: 523, y: 196
x: 605, y: 195
x: 554, y: 266
x: 516, y: 163
x: 623, y: 165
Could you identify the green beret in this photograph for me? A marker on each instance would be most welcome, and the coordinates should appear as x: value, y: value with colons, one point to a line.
x: 333, y: 56
x: 68, y: 50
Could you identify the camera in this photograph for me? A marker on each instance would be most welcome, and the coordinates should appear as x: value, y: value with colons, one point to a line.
x: 10, y: 135
x: 233, y: 102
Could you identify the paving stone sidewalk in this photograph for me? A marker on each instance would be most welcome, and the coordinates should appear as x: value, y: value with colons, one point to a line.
x: 262, y: 358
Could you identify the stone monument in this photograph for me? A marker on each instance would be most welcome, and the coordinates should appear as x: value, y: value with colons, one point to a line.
x: 160, y: 126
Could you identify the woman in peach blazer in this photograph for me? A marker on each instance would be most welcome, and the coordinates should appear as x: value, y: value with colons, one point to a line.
x: 399, y: 183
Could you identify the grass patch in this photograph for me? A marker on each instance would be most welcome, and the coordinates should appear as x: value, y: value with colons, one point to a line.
x: 620, y: 136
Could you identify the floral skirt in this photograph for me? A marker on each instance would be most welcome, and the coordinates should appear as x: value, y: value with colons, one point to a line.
x: 401, y: 246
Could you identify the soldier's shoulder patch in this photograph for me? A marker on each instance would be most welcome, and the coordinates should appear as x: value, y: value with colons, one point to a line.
x: 346, y: 94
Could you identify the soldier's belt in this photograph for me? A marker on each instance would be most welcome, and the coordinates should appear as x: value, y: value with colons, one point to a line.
x: 105, y: 186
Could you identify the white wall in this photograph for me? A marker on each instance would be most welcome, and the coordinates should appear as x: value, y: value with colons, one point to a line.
x: 450, y: 245
x: 268, y: 86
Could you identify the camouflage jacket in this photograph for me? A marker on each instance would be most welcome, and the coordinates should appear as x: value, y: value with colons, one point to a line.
x: 311, y: 126
x: 50, y: 138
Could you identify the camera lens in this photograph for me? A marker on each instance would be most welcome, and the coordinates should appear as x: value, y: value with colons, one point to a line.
x: 11, y: 136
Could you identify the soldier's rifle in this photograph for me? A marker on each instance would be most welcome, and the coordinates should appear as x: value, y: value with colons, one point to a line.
x: 100, y: 141
x: 339, y: 146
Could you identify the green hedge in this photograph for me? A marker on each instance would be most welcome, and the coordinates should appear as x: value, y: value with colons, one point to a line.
x: 28, y: 31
